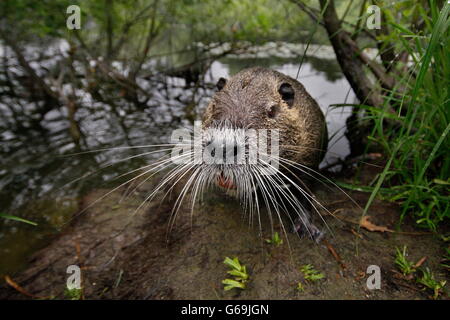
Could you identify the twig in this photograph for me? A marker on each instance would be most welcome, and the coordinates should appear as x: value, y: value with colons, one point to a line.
x: 22, y: 290
x: 335, y: 254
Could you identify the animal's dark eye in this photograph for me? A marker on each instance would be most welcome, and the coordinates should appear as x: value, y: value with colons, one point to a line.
x: 273, y: 111
x: 221, y: 83
x: 287, y: 93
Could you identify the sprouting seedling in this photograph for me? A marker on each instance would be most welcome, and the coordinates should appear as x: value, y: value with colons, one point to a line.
x: 238, y: 271
x: 430, y: 282
x: 300, y: 287
x: 405, y: 266
x: 310, y: 273
x: 276, y: 240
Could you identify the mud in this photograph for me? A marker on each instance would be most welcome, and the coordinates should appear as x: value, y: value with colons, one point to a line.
x: 127, y: 255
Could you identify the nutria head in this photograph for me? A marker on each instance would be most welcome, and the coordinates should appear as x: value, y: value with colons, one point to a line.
x: 252, y: 103
x: 260, y: 98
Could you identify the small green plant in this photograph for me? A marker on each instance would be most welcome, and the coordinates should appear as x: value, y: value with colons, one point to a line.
x: 300, y: 287
x: 405, y: 266
x: 276, y: 240
x: 238, y: 271
x: 310, y: 273
x: 73, y: 294
x: 428, y: 281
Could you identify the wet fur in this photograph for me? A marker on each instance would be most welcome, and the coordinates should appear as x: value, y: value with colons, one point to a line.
x: 245, y: 100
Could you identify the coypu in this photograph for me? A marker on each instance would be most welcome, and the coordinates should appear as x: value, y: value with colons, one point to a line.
x: 230, y: 149
x: 259, y: 98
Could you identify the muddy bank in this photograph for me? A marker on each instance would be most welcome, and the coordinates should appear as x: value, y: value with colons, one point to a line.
x: 131, y: 256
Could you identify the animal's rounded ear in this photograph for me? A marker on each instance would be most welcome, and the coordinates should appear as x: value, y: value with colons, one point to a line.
x: 221, y: 83
x: 287, y: 93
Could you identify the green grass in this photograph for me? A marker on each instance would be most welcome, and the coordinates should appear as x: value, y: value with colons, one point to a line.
x: 10, y: 217
x: 411, y: 272
x: 405, y: 266
x: 430, y: 282
x: 416, y: 174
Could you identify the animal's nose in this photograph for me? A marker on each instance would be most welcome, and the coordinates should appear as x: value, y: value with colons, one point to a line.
x: 222, y: 152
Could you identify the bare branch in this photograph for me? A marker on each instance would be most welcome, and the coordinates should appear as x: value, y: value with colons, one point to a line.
x: 311, y: 12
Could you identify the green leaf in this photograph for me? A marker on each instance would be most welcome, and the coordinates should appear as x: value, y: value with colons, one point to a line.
x: 231, y: 284
x: 443, y: 182
x: 2, y: 215
x: 239, y: 274
x: 233, y: 263
x: 310, y: 273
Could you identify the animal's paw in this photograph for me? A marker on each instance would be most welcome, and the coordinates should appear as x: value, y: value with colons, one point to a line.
x: 308, y: 230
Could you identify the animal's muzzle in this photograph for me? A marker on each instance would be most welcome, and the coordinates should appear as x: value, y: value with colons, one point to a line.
x: 225, y: 182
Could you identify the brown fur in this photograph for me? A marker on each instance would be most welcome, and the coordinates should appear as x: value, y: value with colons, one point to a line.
x: 246, y: 99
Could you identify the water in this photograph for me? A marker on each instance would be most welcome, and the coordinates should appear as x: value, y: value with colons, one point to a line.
x: 37, y: 163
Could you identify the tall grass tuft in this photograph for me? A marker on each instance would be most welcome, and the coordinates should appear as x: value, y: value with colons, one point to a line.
x: 416, y: 173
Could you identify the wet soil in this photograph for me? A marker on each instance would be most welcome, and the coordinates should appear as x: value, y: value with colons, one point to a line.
x: 124, y: 255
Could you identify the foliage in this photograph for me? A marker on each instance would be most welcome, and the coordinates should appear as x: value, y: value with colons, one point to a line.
x: 256, y: 21
x: 238, y: 271
x: 300, y: 287
x: 415, y: 135
x: 405, y: 266
x: 73, y: 294
x: 32, y: 19
x: 430, y: 282
x: 276, y: 240
x: 125, y: 24
x: 409, y: 270
x: 310, y: 273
